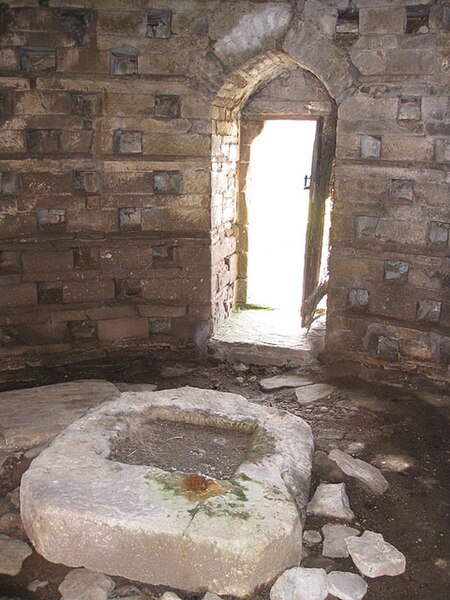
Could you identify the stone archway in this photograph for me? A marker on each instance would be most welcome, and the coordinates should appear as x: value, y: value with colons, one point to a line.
x: 301, y: 48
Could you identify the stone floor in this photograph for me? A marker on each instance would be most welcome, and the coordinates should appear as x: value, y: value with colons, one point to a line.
x: 402, y: 429
x: 268, y: 337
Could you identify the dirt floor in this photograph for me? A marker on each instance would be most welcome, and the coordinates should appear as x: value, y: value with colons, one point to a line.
x: 372, y: 421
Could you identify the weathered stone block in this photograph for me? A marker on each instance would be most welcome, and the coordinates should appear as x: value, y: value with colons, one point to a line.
x: 130, y: 219
x: 428, y: 311
x: 127, y: 142
x: 123, y: 62
x: 18, y: 295
x: 88, y: 105
x: 43, y: 141
x: 396, y: 270
x: 401, y: 189
x: 358, y: 299
x: 37, y: 59
x: 442, y: 150
x: 47, y: 261
x: 50, y: 292
x: 438, y: 233
x: 365, y: 226
x: 128, y: 288
x: 87, y: 182
x: 86, y: 259
x: 159, y: 23
x: 116, y: 329
x: 167, y: 106
x: 10, y: 184
x: 82, y: 330
x: 370, y: 146
x: 77, y: 141
x: 51, y: 219
x: 10, y: 262
x: 382, y: 20
x: 88, y: 291
x: 168, y: 182
x: 409, y: 109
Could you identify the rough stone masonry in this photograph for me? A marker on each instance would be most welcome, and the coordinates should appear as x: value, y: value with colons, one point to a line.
x: 121, y: 211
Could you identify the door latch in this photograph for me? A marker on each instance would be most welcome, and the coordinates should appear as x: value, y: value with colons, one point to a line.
x: 307, y: 183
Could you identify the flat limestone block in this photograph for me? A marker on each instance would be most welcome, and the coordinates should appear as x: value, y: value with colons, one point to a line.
x: 139, y: 522
x: 361, y: 470
x: 32, y: 416
x: 374, y: 556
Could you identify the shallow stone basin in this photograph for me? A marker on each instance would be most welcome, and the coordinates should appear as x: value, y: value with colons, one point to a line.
x: 182, y: 529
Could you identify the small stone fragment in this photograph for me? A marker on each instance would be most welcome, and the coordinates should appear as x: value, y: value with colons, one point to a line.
x: 334, y: 536
x: 331, y: 500
x: 82, y: 584
x: 300, y: 584
x: 283, y: 381
x: 361, y: 470
x: 374, y: 556
x: 35, y: 585
x: 346, y: 586
x: 211, y: 596
x: 311, y: 537
x: 128, y: 592
x: 239, y: 380
x: 240, y: 367
x: 169, y: 596
x: 12, y: 554
x: 313, y: 393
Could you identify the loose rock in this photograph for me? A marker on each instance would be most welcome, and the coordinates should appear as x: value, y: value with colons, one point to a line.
x: 346, y: 586
x: 10, y: 523
x: 361, y: 470
x: 313, y: 393
x: 211, y: 596
x: 300, y: 584
x: 240, y: 367
x: 169, y: 596
x: 283, y: 381
x: 331, y: 500
x: 374, y: 556
x: 311, y: 537
x: 395, y: 463
x: 82, y: 584
x: 12, y: 554
x: 334, y: 537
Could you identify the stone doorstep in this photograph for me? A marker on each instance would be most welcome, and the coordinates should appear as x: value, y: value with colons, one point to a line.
x: 81, y: 509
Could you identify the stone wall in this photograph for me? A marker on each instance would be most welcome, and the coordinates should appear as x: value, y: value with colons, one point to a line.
x: 119, y: 147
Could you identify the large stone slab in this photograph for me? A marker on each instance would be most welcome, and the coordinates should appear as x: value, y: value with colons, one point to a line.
x: 81, y: 509
x: 30, y: 417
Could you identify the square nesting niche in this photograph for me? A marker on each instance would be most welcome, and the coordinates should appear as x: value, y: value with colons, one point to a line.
x: 428, y: 311
x: 167, y: 106
x: 401, y: 189
x: 409, y: 109
x: 123, y: 62
x: 159, y: 23
x: 168, y: 182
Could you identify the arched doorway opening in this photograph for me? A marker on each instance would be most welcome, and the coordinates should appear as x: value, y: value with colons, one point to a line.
x: 242, y: 109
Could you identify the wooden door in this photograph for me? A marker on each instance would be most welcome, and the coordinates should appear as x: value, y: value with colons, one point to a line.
x: 314, y: 288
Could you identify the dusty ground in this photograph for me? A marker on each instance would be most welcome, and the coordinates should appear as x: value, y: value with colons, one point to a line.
x: 375, y: 420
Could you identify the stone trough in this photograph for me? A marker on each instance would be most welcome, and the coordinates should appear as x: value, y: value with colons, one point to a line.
x: 228, y: 525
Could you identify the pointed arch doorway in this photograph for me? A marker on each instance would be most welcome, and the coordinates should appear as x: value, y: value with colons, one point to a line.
x: 290, y: 96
